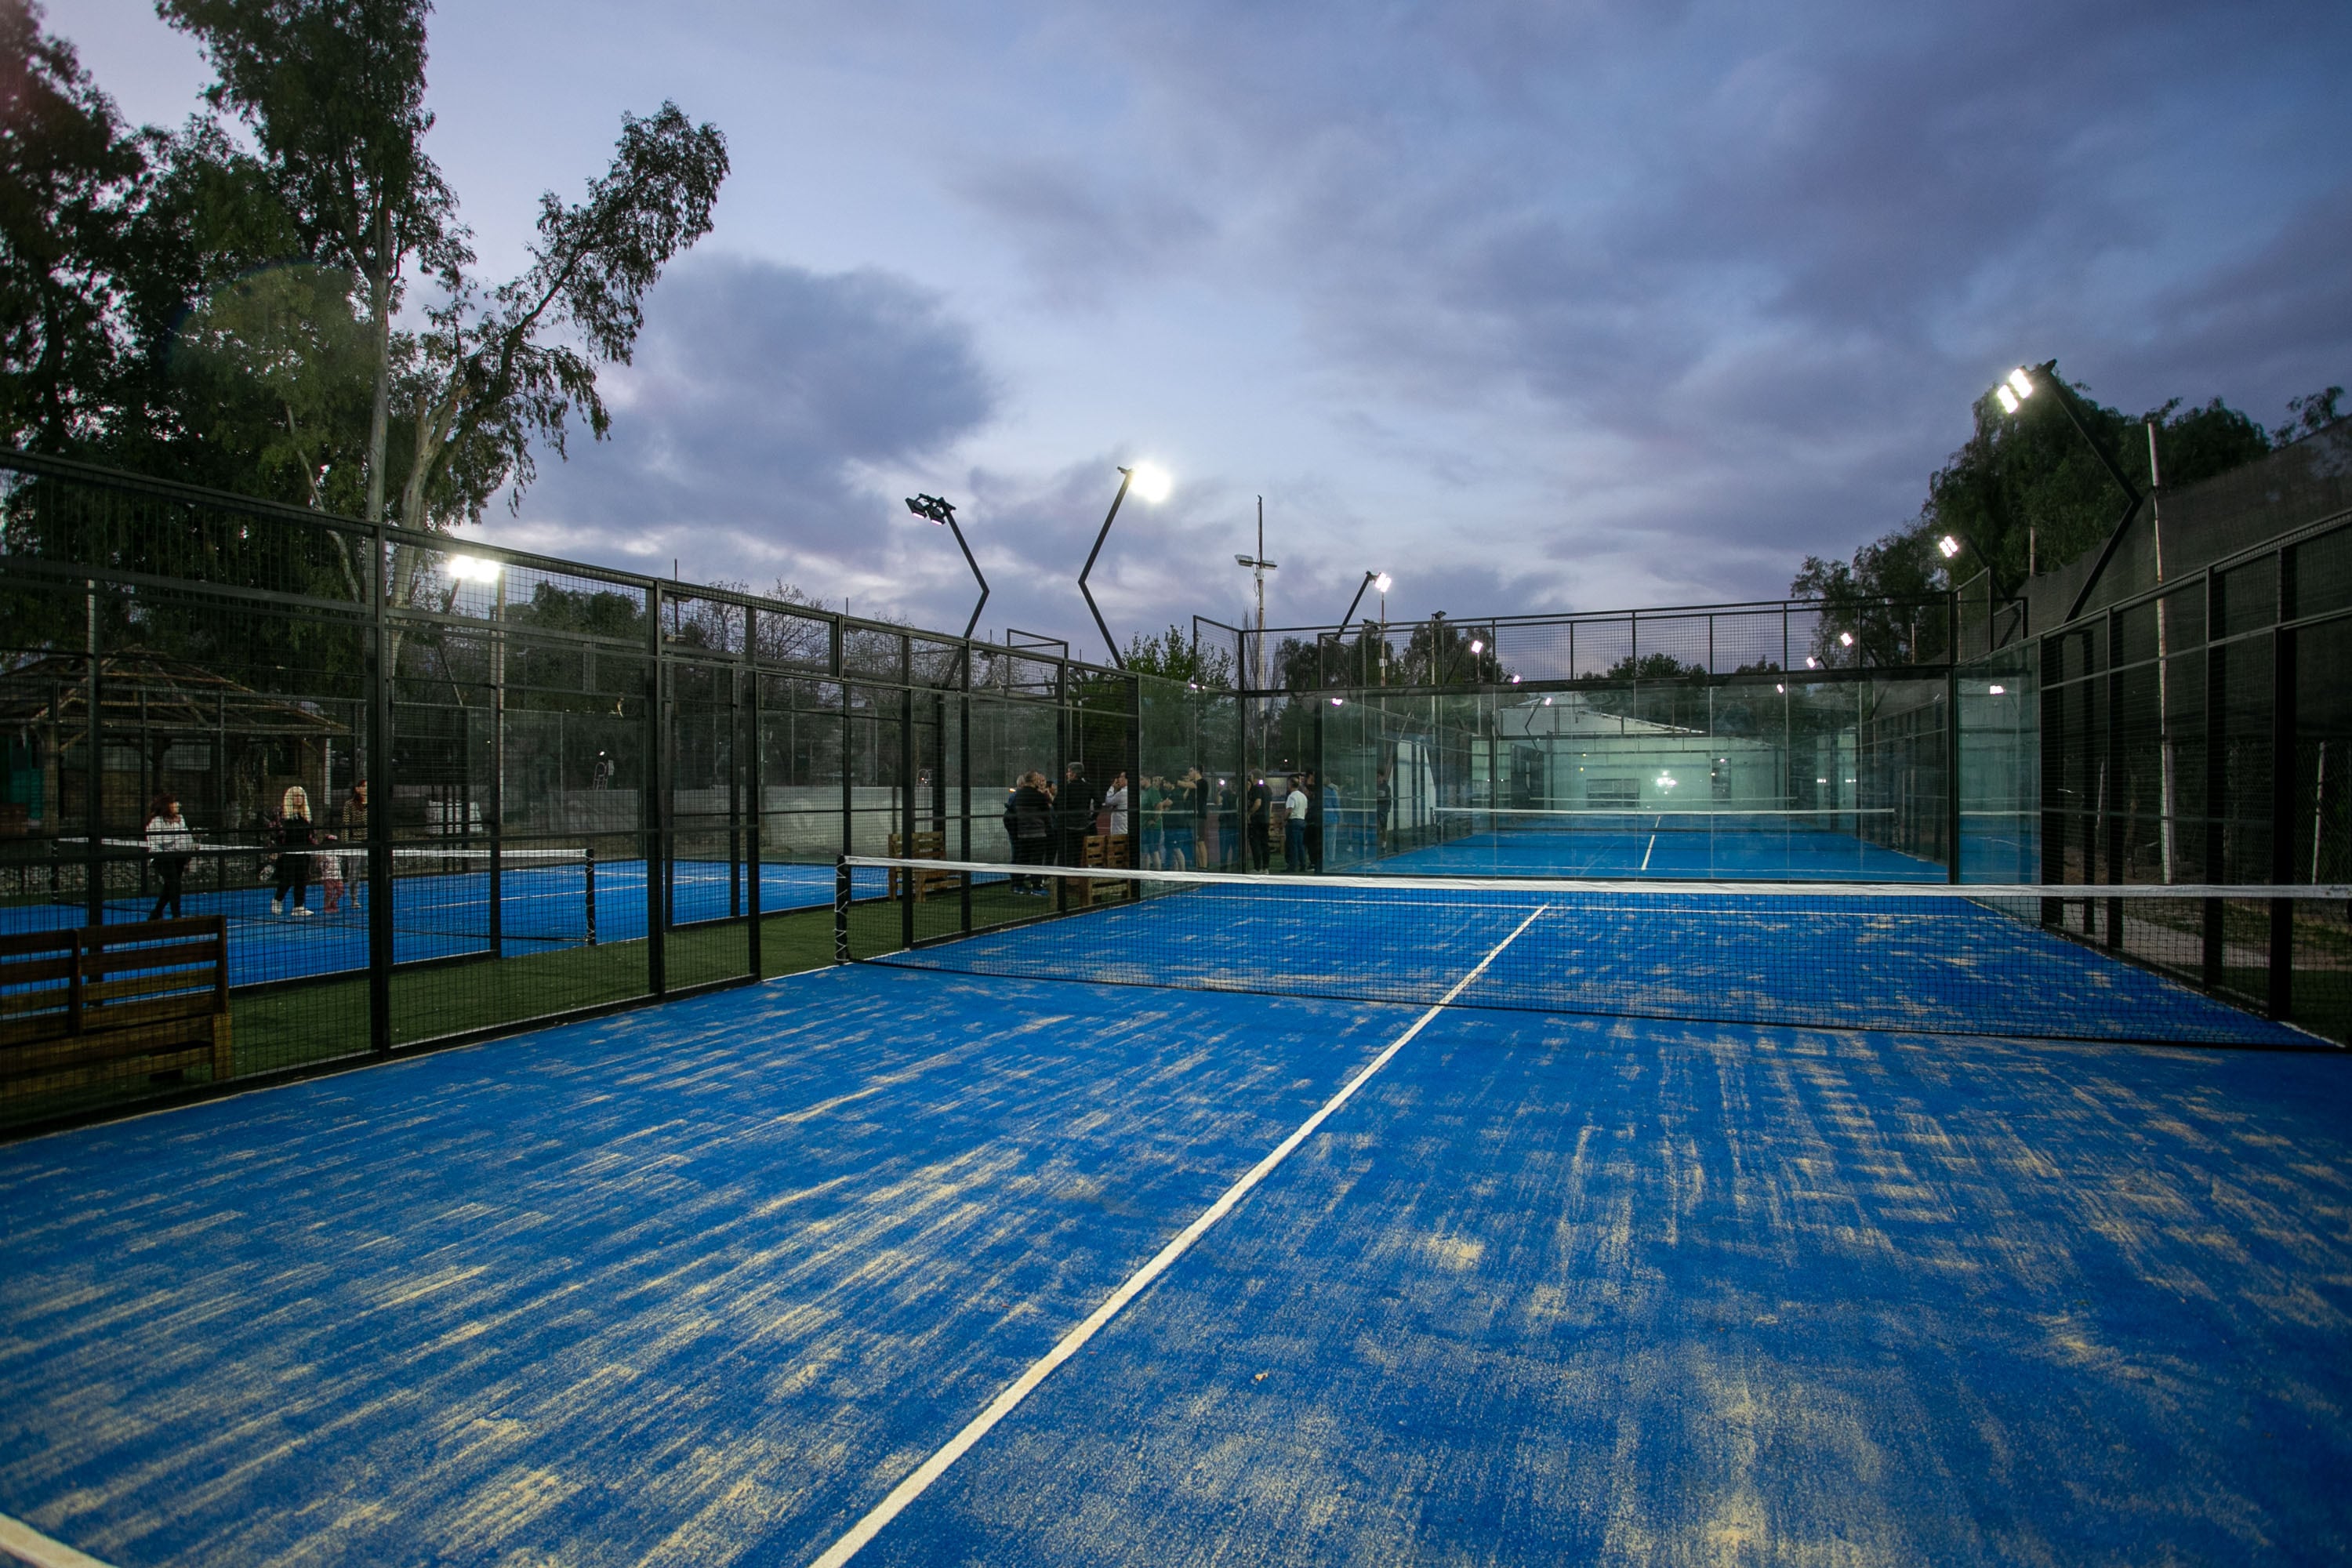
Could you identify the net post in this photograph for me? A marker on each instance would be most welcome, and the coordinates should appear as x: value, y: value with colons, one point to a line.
x: 841, y: 908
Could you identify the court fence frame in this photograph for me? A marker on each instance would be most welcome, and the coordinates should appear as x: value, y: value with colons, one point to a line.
x: 496, y: 701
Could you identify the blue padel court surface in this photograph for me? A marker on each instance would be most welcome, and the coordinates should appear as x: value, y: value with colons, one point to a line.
x: 702, y: 1284
x: 445, y: 914
x: 1671, y: 851
x: 1941, y: 964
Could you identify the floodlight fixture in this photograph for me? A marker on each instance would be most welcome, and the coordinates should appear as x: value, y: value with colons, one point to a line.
x: 1997, y: 691
x: 1477, y: 646
x: 933, y: 509
x: 1377, y: 581
x: 1947, y: 547
x: 1846, y: 639
x: 1149, y: 481
x: 2021, y: 383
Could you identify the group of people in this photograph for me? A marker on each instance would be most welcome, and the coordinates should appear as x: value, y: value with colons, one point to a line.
x: 1048, y: 825
x: 293, y: 833
x: 1187, y: 821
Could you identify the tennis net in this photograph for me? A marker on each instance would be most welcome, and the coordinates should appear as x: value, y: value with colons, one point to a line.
x: 1849, y: 822
x: 542, y: 894
x: 2025, y: 961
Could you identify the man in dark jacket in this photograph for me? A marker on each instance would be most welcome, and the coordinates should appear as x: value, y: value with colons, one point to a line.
x: 1029, y: 823
x: 1258, y: 827
x: 1077, y: 805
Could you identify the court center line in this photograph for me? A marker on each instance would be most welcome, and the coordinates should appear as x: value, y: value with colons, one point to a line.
x: 1003, y: 1404
x: 25, y: 1544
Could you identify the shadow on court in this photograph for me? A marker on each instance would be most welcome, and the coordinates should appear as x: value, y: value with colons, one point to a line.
x: 702, y: 1284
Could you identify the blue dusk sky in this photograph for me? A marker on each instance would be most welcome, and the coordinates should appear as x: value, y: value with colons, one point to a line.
x: 1538, y: 307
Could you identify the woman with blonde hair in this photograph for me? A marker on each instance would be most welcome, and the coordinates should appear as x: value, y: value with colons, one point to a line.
x: 295, y: 837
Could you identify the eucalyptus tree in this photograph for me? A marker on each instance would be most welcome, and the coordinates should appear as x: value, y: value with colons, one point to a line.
x: 69, y: 175
x: 333, y: 93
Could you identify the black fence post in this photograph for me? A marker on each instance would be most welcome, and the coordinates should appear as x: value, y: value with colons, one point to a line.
x: 93, y: 810
x: 382, y: 781
x: 1952, y: 740
x: 753, y: 773
x: 907, y: 774
x: 2216, y: 782
x: 651, y: 814
x: 2281, y: 998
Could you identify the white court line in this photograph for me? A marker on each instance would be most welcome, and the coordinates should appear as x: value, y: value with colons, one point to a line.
x: 915, y: 1485
x: 26, y: 1544
x: 1653, y: 850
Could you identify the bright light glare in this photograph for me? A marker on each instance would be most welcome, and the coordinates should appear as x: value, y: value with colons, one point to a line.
x: 1337, y: 702
x: 1812, y: 663
x: 474, y: 569
x: 1477, y: 645
x: 1781, y: 689
x: 1948, y: 546
x: 1846, y: 639
x: 2008, y: 399
x: 1151, y: 482
x: 2020, y: 384
x: 1383, y: 583
x: 1514, y: 681
x: 1998, y: 690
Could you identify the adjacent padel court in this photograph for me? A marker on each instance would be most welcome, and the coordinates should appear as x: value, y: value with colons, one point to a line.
x: 546, y: 901
x: 1778, y: 845
x: 1236, y: 1221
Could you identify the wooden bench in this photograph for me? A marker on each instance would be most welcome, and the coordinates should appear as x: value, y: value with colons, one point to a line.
x: 113, y: 1004
x: 931, y: 846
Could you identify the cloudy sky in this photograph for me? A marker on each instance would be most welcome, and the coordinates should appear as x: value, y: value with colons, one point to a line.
x: 1564, y: 306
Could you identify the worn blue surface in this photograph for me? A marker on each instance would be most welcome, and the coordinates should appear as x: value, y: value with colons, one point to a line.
x: 1833, y: 960
x: 1791, y: 855
x: 700, y: 1284
x: 443, y: 915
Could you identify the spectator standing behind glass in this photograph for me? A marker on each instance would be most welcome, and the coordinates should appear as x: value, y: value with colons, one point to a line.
x: 352, y: 827
x: 1202, y: 805
x: 1384, y: 803
x: 1114, y: 806
x: 295, y: 837
x: 172, y: 847
x: 1322, y: 818
x: 1029, y: 817
x: 1294, y: 826
x: 1176, y: 839
x: 1259, y: 827
x: 1153, y: 804
x: 1077, y: 804
x: 1229, y: 827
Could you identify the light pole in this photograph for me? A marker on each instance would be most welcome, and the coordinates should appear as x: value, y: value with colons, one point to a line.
x: 934, y: 510
x: 1259, y: 566
x: 2013, y: 391
x: 1150, y: 482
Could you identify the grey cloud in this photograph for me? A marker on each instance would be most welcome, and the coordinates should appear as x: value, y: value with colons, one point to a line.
x: 1078, y: 228
x: 760, y: 393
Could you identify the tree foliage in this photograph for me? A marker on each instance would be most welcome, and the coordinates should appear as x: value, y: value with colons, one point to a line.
x: 2025, y: 494
x: 69, y: 175
x: 217, y: 303
x: 1177, y: 655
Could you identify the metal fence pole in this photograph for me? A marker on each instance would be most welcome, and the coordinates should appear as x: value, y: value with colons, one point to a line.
x: 383, y: 780
x: 652, y: 816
